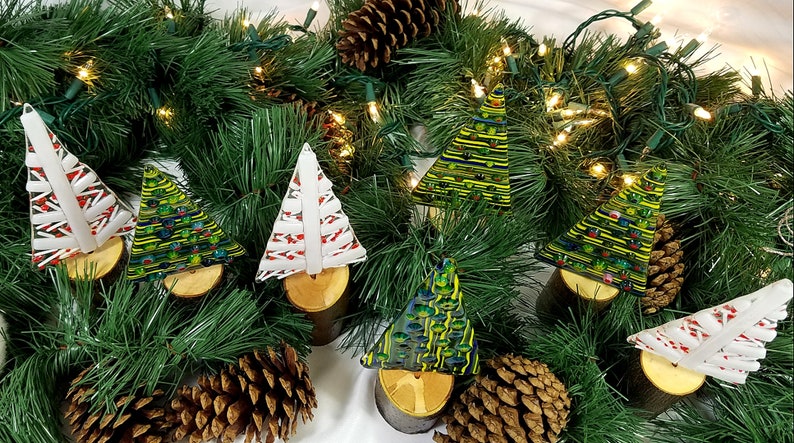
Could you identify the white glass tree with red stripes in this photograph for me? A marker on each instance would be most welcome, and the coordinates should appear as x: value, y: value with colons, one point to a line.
x: 71, y: 210
x: 311, y: 232
x: 724, y: 341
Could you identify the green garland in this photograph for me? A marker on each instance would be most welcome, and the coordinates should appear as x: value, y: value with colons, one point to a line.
x: 188, y: 88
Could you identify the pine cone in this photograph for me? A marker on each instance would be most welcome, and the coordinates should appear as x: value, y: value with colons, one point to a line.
x: 264, y: 392
x: 665, y: 268
x: 136, y: 419
x: 514, y: 400
x: 372, y: 33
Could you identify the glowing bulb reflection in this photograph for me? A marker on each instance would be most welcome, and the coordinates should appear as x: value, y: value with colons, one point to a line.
x: 629, y: 180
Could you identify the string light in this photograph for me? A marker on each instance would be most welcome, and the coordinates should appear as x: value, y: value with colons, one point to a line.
x: 508, y: 53
x: 311, y: 14
x: 170, y: 24
x: 413, y: 179
x: 629, y: 69
x: 258, y: 70
x: 553, y: 101
x: 629, y: 179
x: 478, y: 91
x: 372, y: 104
x: 698, y: 111
x: 165, y: 113
x: 648, y: 27
x: 755, y: 82
x: 695, y: 43
x: 598, y: 170
x: 542, y: 49
x: 83, y: 76
x: 641, y: 6
x: 246, y: 23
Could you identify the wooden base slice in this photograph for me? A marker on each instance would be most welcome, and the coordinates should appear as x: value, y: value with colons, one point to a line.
x: 98, y: 264
x: 411, y: 402
x: 323, y: 298
x: 195, y: 282
x: 565, y: 290
x: 655, y: 384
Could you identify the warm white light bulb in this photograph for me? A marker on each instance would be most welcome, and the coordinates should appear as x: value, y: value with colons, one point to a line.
x: 631, y: 68
x: 83, y: 73
x: 754, y: 71
x: 553, y: 101
x: 246, y: 23
x: 374, y: 114
x: 701, y: 113
x: 413, y: 179
x: 258, y: 69
x: 598, y: 170
x: 169, y: 15
x: 497, y: 60
x: 476, y: 89
x: 165, y: 113
x: 562, y: 137
x: 703, y: 36
x: 628, y: 180
x: 315, y: 6
x: 542, y: 49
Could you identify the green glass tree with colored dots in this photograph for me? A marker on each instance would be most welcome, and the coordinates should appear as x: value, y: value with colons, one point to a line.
x: 173, y: 234
x: 475, y: 166
x: 613, y: 244
x: 433, y: 333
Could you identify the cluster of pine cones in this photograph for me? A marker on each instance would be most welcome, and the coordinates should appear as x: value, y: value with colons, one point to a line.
x: 263, y: 394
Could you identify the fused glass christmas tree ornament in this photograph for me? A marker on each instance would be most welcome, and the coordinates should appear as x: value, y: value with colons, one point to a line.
x: 724, y: 341
x: 475, y: 166
x: 173, y: 234
x: 311, y: 232
x: 71, y: 210
x: 433, y: 333
x: 613, y: 244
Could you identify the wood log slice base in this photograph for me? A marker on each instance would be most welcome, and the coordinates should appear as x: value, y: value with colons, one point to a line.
x: 411, y: 402
x: 105, y: 263
x: 655, y: 384
x: 565, y: 290
x: 194, y: 283
x: 323, y: 298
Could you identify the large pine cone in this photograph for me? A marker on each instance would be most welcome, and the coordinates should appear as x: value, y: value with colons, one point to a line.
x: 665, y: 268
x: 264, y: 392
x: 136, y: 419
x: 515, y: 400
x: 372, y: 33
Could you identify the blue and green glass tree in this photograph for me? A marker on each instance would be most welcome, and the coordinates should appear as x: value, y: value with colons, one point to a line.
x: 433, y: 333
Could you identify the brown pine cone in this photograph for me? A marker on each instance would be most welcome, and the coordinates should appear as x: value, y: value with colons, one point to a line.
x: 665, y: 268
x: 133, y: 419
x: 373, y: 33
x: 514, y: 400
x: 264, y: 393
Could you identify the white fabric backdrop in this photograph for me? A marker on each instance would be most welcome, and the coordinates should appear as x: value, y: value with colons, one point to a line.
x: 761, y: 29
